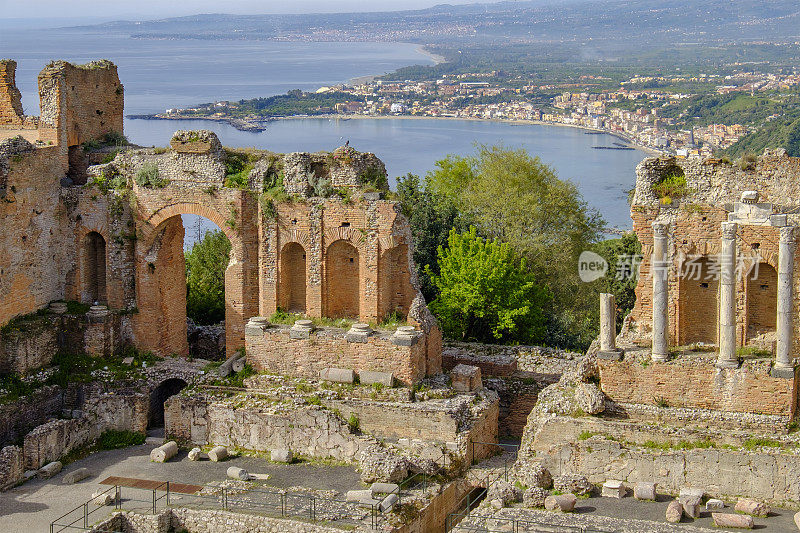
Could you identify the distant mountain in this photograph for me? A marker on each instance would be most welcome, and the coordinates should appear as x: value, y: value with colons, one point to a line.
x: 533, y: 21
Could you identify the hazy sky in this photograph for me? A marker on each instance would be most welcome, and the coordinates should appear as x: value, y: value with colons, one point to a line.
x: 153, y: 9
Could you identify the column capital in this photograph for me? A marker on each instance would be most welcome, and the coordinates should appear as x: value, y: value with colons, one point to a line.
x: 787, y: 234
x: 729, y: 230
x: 660, y: 229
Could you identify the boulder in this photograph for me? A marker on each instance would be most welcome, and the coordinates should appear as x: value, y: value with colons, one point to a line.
x: 281, y: 456
x: 752, y: 507
x: 674, y: 512
x: 645, y: 490
x: 572, y: 483
x: 505, y: 492
x: 688, y: 492
x: 564, y: 503
x: 534, y: 475
x: 49, y: 470
x: 613, y: 489
x: 714, y: 505
x: 234, y: 472
x: 165, y: 452
x: 589, y: 398
x: 218, y: 453
x: 76, y: 475
x: 379, y: 464
x: 740, y: 521
x: 534, y: 497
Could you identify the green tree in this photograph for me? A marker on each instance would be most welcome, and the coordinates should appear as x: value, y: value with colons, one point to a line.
x: 486, y: 293
x: 620, y: 254
x: 516, y: 198
x: 206, y: 262
x: 431, y: 217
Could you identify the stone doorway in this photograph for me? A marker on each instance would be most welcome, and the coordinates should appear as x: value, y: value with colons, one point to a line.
x: 158, y: 396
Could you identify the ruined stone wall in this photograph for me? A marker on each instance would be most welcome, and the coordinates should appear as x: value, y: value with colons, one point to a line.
x: 695, y: 222
x: 79, y: 103
x: 18, y: 418
x: 272, y: 349
x: 12, y: 467
x: 432, y: 518
x: 11, y: 113
x: 697, y: 383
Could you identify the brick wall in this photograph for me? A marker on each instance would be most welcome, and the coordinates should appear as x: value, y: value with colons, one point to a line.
x: 697, y: 383
x: 274, y: 351
x: 10, y: 98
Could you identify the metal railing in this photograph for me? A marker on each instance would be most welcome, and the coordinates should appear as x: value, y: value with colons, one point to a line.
x: 78, y: 519
x: 492, y: 524
x: 272, y: 503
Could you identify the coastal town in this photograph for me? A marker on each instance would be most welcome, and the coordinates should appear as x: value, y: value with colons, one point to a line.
x: 633, y: 114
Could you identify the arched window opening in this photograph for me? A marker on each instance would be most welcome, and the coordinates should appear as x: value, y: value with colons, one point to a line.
x: 94, y: 251
x: 342, y: 280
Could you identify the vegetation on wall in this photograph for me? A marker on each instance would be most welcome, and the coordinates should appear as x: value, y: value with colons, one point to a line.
x: 206, y: 262
x: 149, y: 177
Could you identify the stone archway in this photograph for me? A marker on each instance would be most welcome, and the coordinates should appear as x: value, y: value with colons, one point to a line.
x: 762, y: 301
x: 159, y: 395
x: 342, y: 280
x: 698, y: 289
x: 94, y: 268
x: 161, y: 281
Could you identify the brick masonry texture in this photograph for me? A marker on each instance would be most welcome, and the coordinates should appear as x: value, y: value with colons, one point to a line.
x: 124, y: 248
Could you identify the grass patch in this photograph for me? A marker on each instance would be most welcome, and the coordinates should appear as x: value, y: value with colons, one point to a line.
x: 761, y: 442
x: 113, y: 439
x: 586, y: 435
x: 149, y: 177
x: 753, y: 352
x: 673, y: 185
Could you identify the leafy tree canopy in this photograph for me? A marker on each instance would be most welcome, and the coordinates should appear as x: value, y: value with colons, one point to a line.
x: 486, y: 293
x: 206, y: 262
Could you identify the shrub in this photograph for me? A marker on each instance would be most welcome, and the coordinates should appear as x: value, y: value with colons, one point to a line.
x: 671, y: 186
x: 353, y: 422
x: 113, y: 439
x: 148, y: 176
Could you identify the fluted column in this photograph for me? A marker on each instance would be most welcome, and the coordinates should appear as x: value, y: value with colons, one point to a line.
x: 783, y: 351
x: 660, y: 269
x: 727, y: 298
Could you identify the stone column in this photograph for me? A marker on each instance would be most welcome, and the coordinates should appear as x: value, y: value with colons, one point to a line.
x: 727, y: 298
x: 783, y: 355
x: 660, y: 270
x: 608, y: 328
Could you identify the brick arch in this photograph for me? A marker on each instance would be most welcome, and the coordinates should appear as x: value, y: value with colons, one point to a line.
x: 355, y: 238
x: 299, y: 236
x: 396, y: 292
x: 190, y: 208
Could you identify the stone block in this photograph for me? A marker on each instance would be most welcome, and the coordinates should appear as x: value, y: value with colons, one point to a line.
x: 564, y: 503
x: 613, y: 489
x: 127, y: 361
x: 797, y: 520
x: 611, y: 355
x: 238, y: 365
x: 752, y: 507
x: 688, y: 492
x: 165, y: 452
x: 369, y: 378
x: 778, y: 220
x: 674, y: 512
x: 714, y: 505
x: 196, y: 454
x: 49, y: 470
x: 405, y: 336
x: 466, y: 378
x: 783, y: 373
x: 281, y: 455
x: 739, y: 521
x: 358, y: 333
x: 75, y: 476
x: 534, y: 497
x: 359, y: 495
x: 384, y: 488
x: 234, y: 472
x: 301, y: 329
x: 218, y: 453
x: 339, y: 375
x: 644, y: 490
x: 101, y: 499
x: 691, y: 507
x: 388, y: 503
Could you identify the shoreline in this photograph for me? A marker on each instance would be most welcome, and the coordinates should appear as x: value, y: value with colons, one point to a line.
x: 519, y: 122
x: 369, y: 78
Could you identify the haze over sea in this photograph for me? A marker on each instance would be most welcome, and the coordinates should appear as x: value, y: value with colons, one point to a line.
x: 160, y: 74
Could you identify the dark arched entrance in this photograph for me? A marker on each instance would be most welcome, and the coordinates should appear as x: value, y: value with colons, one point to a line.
x: 158, y: 396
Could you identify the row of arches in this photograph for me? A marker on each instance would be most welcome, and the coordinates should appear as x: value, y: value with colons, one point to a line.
x: 698, y: 301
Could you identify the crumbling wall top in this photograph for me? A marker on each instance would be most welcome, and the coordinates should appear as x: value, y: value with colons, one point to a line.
x: 11, y: 113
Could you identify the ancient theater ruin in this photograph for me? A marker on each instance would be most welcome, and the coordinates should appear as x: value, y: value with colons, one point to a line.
x: 332, y: 359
